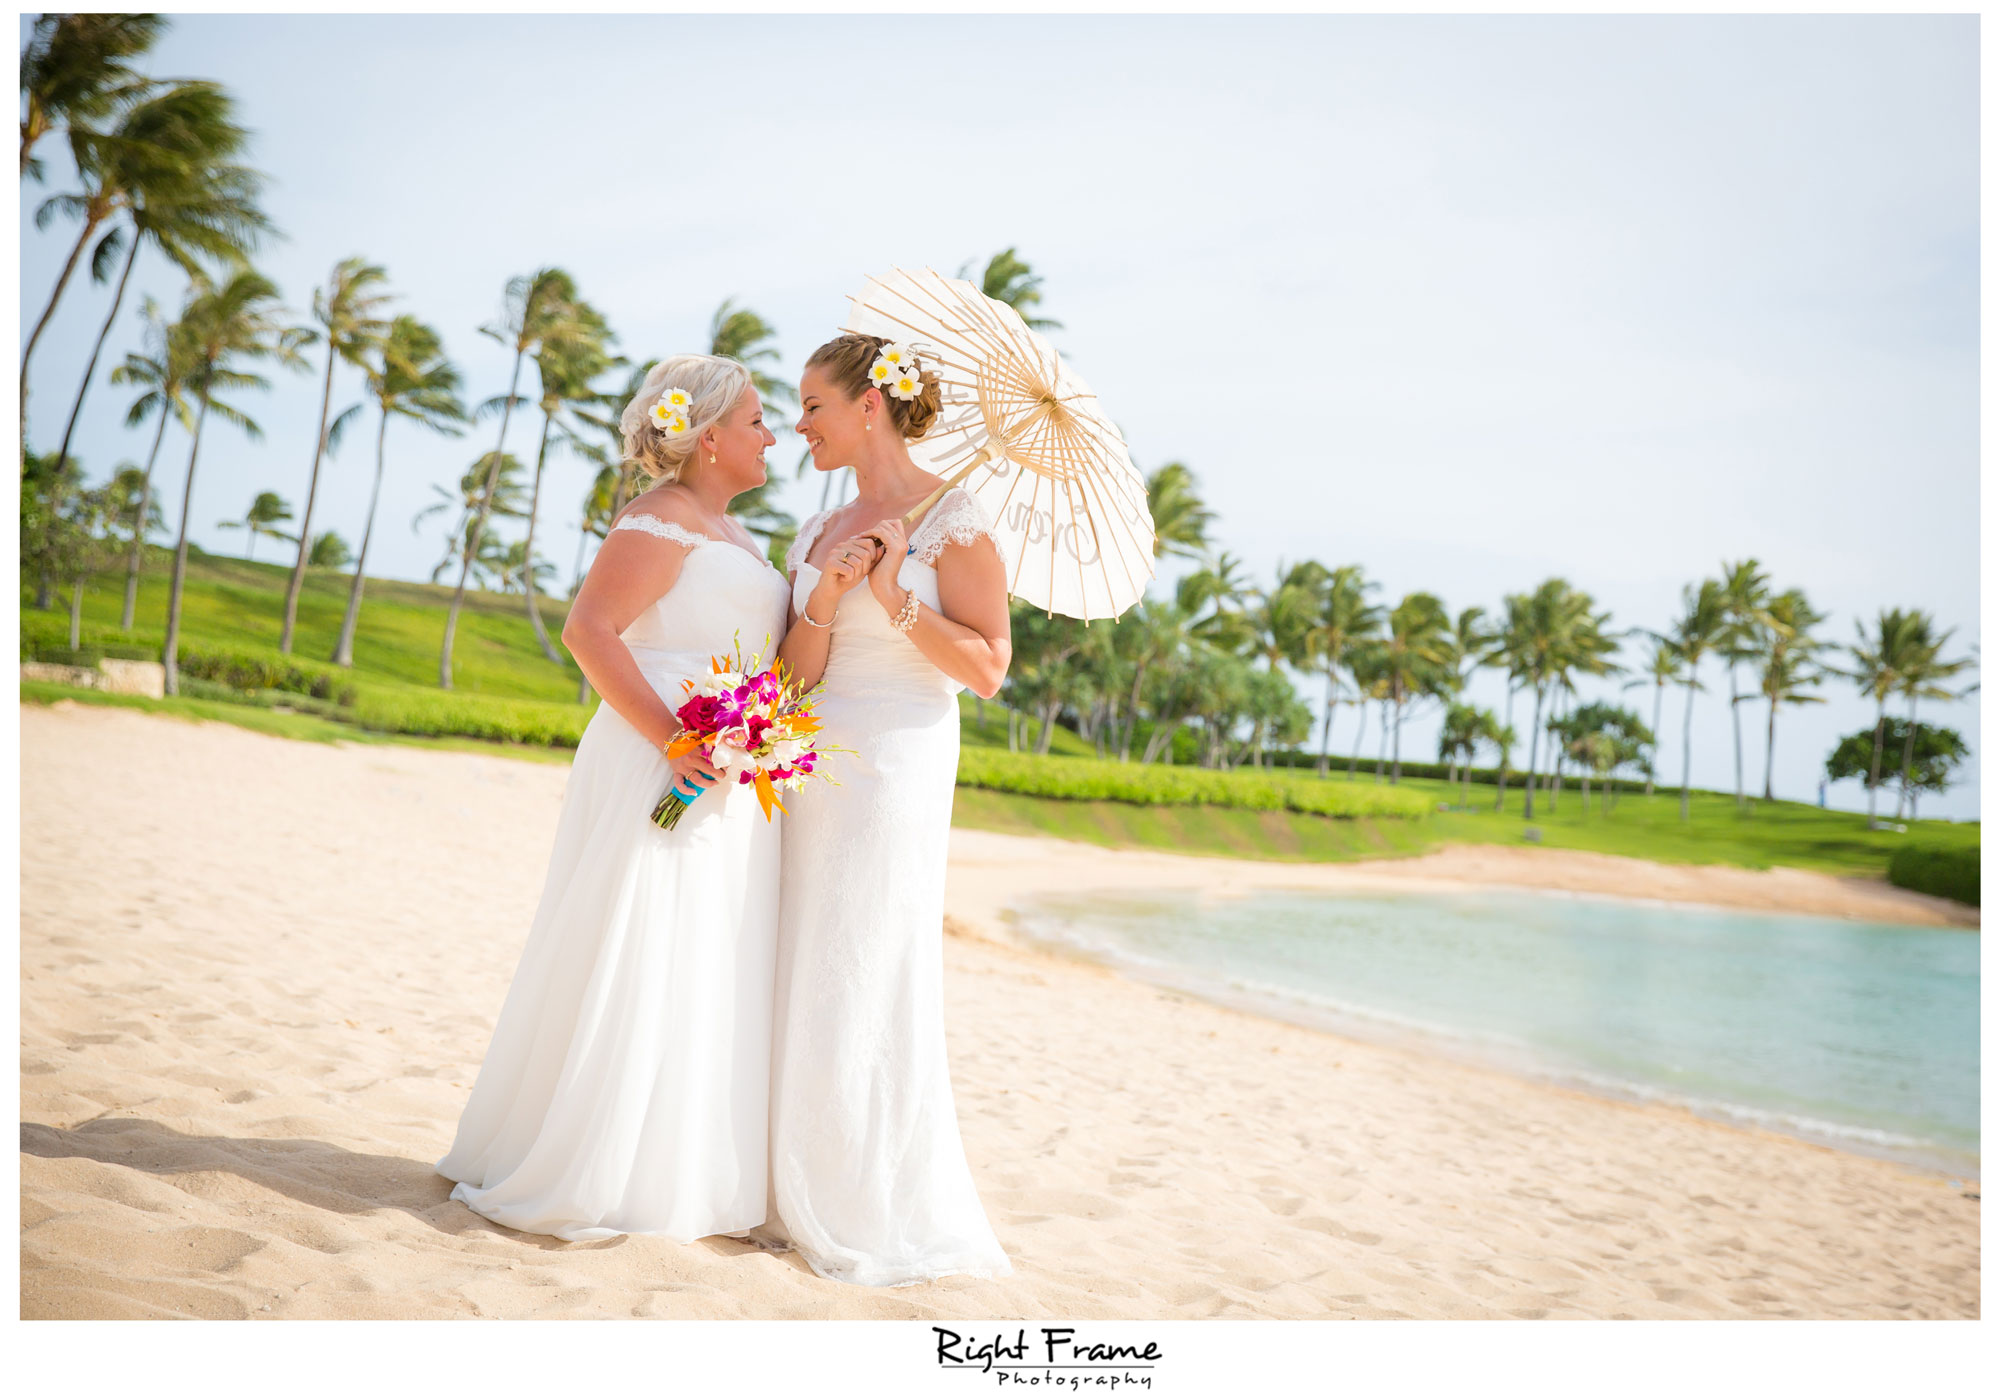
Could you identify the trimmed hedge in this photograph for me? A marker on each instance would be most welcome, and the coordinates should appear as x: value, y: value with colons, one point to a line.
x: 435, y: 714
x: 243, y: 670
x: 1931, y: 867
x: 1090, y: 779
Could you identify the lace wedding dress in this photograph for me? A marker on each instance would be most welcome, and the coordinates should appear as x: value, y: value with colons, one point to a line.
x: 868, y: 1177
x: 626, y: 1087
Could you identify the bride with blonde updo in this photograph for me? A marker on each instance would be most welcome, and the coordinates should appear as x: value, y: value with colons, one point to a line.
x: 869, y: 1180
x: 626, y: 1087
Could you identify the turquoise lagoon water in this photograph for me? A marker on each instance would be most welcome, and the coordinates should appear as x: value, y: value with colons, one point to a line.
x: 1862, y: 1036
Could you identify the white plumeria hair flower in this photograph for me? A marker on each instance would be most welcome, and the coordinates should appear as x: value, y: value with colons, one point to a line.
x: 670, y: 412
x: 881, y: 372
x: 901, y: 356
x: 906, y: 385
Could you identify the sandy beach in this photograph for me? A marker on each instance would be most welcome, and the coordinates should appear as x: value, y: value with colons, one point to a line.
x: 258, y: 977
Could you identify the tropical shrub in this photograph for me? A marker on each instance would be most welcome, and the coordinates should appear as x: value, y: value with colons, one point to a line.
x: 1933, y: 867
x: 1087, y: 779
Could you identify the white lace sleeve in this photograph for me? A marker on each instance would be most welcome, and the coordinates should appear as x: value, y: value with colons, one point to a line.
x: 803, y: 543
x: 956, y: 519
x: 663, y: 529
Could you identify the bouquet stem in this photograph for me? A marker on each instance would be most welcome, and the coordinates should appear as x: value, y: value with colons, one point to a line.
x: 667, y: 815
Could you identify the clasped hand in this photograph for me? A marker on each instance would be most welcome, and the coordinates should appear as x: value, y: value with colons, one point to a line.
x: 875, y: 555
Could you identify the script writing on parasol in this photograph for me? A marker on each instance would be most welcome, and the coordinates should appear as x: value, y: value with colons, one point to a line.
x: 1026, y: 436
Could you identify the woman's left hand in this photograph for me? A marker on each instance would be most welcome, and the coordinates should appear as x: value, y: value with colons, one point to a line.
x: 895, y: 549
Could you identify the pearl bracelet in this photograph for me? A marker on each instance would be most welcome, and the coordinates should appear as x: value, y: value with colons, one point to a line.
x: 806, y: 613
x: 907, y: 618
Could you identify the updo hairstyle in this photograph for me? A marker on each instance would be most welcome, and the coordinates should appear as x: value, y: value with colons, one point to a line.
x: 847, y: 359
x: 713, y: 382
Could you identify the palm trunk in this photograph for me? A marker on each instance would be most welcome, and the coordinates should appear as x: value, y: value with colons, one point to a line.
x: 1584, y: 778
x: 1875, y: 763
x: 1465, y: 784
x: 1687, y: 744
x: 169, y: 654
x: 1360, y: 732
x: 1736, y: 724
x: 1326, y: 725
x: 305, y: 521
x: 76, y: 409
x: 1382, y: 748
x: 478, y: 529
x: 1500, y: 797
x: 1534, y: 754
x: 1652, y: 769
x: 76, y: 612
x: 1770, y: 747
x: 69, y: 270
x: 343, y: 649
x: 139, y: 525
x: 1396, y: 747
x: 528, y: 568
x: 1909, y: 757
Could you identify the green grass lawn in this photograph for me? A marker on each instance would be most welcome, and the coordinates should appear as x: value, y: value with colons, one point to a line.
x: 501, y: 675
x: 232, y: 603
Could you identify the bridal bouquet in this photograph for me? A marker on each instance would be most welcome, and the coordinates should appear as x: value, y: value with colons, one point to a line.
x: 760, y: 724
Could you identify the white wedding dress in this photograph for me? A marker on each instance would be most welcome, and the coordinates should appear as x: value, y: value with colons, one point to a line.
x: 626, y: 1089
x: 869, y: 1181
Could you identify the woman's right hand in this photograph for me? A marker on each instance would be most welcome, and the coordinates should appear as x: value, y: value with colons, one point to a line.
x: 693, y: 770
x: 846, y: 567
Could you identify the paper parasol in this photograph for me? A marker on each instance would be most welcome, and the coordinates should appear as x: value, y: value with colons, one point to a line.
x: 1026, y: 436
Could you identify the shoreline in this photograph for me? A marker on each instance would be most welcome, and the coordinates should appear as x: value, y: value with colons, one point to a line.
x: 989, y: 867
x: 997, y: 878
x: 241, y: 1056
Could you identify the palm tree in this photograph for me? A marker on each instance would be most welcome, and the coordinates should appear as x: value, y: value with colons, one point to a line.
x: 1367, y: 663
x: 410, y: 378
x: 536, y: 306
x: 1745, y: 591
x: 1280, y: 622
x: 1416, y: 660
x: 1788, y: 665
x: 1919, y: 679
x: 329, y: 551
x: 266, y: 513
x: 1663, y: 667
x: 740, y: 334
x: 1703, y: 622
x: 1008, y: 279
x: 1879, y: 663
x: 162, y: 374
x: 1544, y: 638
x: 570, y: 354
x: 1346, y: 619
x: 160, y: 149
x: 1458, y: 741
x: 1503, y: 738
x: 347, y: 309
x: 128, y: 505
x: 224, y: 327
x: 505, y: 500
x: 210, y: 213
x: 75, y: 72
x: 1181, y: 519
x: 514, y: 568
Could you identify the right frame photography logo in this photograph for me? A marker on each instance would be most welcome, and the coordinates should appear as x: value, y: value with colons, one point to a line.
x: 1052, y: 1358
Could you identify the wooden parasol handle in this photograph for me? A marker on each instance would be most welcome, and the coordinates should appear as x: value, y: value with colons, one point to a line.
x: 987, y: 453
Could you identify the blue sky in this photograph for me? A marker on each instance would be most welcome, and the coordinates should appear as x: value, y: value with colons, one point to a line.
x: 1468, y: 301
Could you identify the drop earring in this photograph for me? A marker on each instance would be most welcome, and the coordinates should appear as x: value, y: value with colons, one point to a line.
x: 711, y: 458
x: 867, y: 427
